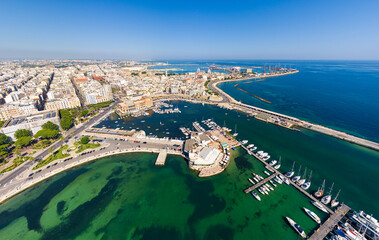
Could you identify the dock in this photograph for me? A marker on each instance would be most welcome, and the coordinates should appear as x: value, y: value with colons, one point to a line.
x: 161, y: 159
x: 276, y: 172
x: 251, y: 188
x: 329, y: 224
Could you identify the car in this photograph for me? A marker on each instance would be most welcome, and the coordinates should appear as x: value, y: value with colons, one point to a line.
x: 55, y: 164
x: 144, y: 142
x: 31, y: 174
x: 48, y: 166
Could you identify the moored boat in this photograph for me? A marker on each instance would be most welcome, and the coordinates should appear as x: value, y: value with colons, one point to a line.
x: 312, y: 215
x: 335, y: 202
x: 302, y: 179
x: 255, y: 195
x: 296, y: 227
x: 320, y: 190
x: 291, y: 173
x: 306, y: 185
x: 319, y: 206
x: 326, y: 199
x: 297, y: 177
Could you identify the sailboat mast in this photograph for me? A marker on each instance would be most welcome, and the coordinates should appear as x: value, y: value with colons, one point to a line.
x: 337, y: 195
x: 293, y: 166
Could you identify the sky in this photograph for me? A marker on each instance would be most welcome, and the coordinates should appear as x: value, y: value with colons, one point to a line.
x: 154, y: 30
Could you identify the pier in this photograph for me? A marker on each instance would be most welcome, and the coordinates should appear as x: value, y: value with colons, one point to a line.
x: 161, y: 159
x: 251, y: 188
x: 291, y: 183
x: 329, y: 224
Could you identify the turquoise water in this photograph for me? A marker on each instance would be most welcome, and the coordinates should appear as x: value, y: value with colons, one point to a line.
x: 127, y: 197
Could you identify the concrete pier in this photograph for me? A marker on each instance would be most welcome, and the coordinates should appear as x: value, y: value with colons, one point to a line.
x: 251, y: 188
x: 329, y: 224
x: 161, y: 159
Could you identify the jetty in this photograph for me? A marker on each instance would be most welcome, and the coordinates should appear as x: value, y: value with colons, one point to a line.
x: 276, y: 173
x: 329, y: 224
x: 251, y: 188
x: 161, y: 159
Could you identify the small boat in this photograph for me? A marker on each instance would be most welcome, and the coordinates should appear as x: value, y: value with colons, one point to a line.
x: 302, y: 180
x: 244, y: 142
x: 278, y: 180
x: 312, y: 215
x: 306, y: 185
x: 256, y: 179
x: 235, y: 134
x: 297, y: 177
x: 326, y: 199
x: 272, y: 182
x: 273, y: 162
x: 279, y: 163
x: 255, y: 195
x: 335, y: 202
x: 260, y: 190
x: 269, y: 186
x: 267, y: 173
x: 253, y: 148
x: 296, y: 227
x: 285, y: 179
x: 291, y: 173
x: 250, y: 145
x: 320, y: 190
x: 319, y: 206
x: 251, y: 181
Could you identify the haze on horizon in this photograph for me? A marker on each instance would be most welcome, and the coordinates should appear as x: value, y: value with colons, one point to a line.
x: 167, y: 29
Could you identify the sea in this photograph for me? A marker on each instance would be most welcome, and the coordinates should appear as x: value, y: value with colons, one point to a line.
x: 128, y: 197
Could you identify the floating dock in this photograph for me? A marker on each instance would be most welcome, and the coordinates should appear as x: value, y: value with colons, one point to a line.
x: 329, y: 224
x: 249, y: 189
x: 161, y: 159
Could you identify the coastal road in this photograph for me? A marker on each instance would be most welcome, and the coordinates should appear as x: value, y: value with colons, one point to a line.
x: 69, y: 134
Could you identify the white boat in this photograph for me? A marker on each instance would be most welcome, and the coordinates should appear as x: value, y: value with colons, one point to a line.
x: 291, y: 173
x: 278, y: 180
x: 244, y: 142
x: 267, y: 173
x: 335, y: 202
x: 235, y: 134
x: 269, y: 186
x: 251, y: 181
x: 296, y: 227
x: 265, y: 158
x: 250, y: 145
x: 256, y: 179
x: 312, y: 215
x: 297, y: 177
x: 320, y: 190
x: 260, y: 190
x: 319, y: 206
x: 253, y: 148
x: 273, y: 162
x: 272, y: 182
x: 326, y: 199
x: 352, y: 233
x: 255, y: 195
x: 277, y: 166
x: 306, y: 185
x: 285, y: 179
x: 302, y: 180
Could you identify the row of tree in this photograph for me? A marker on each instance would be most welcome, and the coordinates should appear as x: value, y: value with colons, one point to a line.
x: 66, y: 119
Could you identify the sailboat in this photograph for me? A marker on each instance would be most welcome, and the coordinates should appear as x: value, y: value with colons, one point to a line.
x: 291, y: 173
x: 306, y: 185
x: 302, y: 180
x: 320, y: 190
x: 326, y: 199
x: 235, y: 134
x: 297, y: 177
x: 279, y: 163
x: 335, y: 202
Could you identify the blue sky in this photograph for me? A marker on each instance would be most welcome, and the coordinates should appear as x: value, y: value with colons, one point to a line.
x: 194, y: 29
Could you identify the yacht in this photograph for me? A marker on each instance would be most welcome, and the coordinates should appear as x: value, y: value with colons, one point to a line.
x: 250, y: 145
x: 297, y: 177
x: 320, y: 190
x: 312, y: 215
x: 285, y: 179
x: 296, y: 227
x: 273, y: 162
x: 265, y: 158
x: 253, y: 148
x: 319, y: 206
x: 255, y: 195
x: 335, y: 202
x: 279, y: 163
x: 302, y: 180
x: 291, y: 173
x: 306, y: 185
x: 368, y: 223
x: 326, y: 199
x: 244, y: 142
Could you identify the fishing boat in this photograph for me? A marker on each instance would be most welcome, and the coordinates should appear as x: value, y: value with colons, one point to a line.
x: 296, y: 227
x: 326, y: 199
x: 312, y: 215
x: 320, y: 190
x: 306, y: 185
x: 302, y: 180
x: 319, y: 206
x: 297, y: 177
x: 255, y: 195
x: 335, y: 202
x: 291, y: 173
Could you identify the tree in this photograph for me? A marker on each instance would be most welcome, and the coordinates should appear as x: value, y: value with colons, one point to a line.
x: 3, y: 139
x: 50, y: 125
x: 22, y: 133
x: 84, y: 140
x: 46, y: 133
x: 66, y: 119
x: 84, y: 113
x: 23, y: 141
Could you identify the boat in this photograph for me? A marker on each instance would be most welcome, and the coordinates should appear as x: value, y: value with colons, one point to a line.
x: 335, y: 202
x: 291, y: 173
x: 253, y: 148
x: 256, y: 179
x: 272, y: 182
x: 250, y: 145
x: 285, y: 179
x: 251, y: 181
x: 235, y: 134
x: 302, y: 180
x: 319, y: 206
x: 296, y: 227
x: 273, y: 162
x: 326, y: 199
x: 267, y: 173
x: 278, y: 180
x: 351, y: 233
x: 269, y: 186
x: 312, y: 215
x: 260, y: 190
x: 265, y: 158
x: 244, y: 142
x: 320, y: 190
x: 255, y: 195
x: 297, y: 177
x: 306, y: 185
x: 369, y: 224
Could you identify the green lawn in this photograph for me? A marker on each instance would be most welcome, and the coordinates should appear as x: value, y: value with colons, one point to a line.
x: 56, y: 155
x: 43, y: 143
x: 82, y: 147
x: 16, y: 162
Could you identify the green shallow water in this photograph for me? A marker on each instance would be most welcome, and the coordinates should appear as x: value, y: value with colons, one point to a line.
x: 127, y: 197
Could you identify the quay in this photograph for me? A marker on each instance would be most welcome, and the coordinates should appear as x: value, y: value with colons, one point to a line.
x: 251, y: 188
x: 161, y: 159
x: 329, y: 224
x: 276, y: 172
